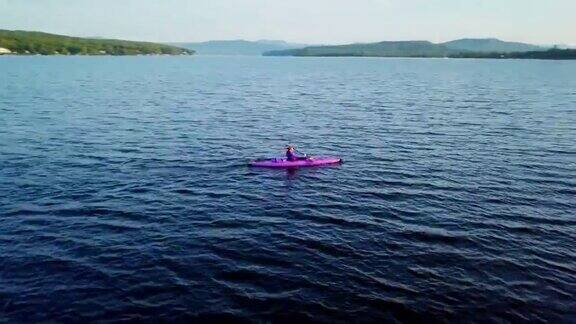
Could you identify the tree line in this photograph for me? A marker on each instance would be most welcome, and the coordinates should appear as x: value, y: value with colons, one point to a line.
x: 23, y: 42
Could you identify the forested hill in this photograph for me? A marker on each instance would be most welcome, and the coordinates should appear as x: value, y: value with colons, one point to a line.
x: 423, y: 49
x: 25, y: 42
x: 387, y: 48
x: 488, y: 47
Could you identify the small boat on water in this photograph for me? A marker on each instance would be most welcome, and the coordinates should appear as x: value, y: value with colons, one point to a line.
x: 285, y: 163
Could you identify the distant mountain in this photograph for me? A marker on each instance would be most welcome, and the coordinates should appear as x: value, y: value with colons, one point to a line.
x: 457, y: 48
x: 560, y: 46
x: 26, y: 42
x: 238, y: 47
x: 490, y: 45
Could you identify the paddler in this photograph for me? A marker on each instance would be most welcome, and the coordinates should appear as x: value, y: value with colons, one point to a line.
x: 291, y: 156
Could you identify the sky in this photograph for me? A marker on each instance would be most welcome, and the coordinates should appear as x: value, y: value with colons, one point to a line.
x: 302, y: 21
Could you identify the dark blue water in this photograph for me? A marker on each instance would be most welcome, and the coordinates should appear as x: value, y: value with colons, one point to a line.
x: 125, y: 195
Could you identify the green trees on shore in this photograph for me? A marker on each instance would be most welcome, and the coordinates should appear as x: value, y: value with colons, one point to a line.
x: 427, y: 49
x: 23, y: 42
x: 551, y: 54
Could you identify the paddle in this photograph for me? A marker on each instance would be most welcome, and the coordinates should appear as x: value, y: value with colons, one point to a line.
x: 305, y: 155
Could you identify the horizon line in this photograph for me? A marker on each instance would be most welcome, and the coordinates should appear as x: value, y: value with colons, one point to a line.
x: 294, y: 42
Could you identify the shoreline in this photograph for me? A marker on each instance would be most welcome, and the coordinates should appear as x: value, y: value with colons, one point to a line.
x: 292, y: 56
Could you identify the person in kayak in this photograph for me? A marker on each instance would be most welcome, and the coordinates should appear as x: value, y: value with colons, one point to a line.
x: 291, y: 156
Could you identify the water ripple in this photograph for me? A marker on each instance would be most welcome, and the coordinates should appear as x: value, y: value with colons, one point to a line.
x: 125, y: 193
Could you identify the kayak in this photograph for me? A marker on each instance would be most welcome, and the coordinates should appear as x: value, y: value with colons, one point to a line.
x: 284, y: 163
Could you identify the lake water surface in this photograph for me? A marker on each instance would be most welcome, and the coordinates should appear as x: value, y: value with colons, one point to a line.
x: 125, y: 194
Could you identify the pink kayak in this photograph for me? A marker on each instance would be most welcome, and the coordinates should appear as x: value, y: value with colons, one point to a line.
x: 283, y: 163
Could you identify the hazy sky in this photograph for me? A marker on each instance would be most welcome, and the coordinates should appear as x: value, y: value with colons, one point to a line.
x: 308, y: 21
